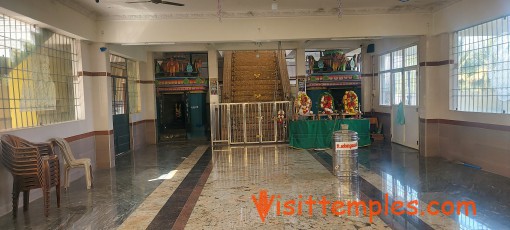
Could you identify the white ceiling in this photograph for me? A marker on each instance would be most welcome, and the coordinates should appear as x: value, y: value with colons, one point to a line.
x: 111, y: 9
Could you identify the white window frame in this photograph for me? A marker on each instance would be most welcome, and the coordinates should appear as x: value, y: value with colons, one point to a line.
x: 395, y: 68
x: 384, y: 72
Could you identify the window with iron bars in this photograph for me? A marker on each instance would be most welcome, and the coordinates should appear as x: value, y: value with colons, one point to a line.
x: 480, y: 80
x: 123, y: 67
x: 38, y: 76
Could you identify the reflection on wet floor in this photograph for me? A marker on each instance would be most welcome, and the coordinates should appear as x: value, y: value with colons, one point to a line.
x: 239, y: 173
x: 116, y: 192
x: 405, y: 176
x: 257, y: 163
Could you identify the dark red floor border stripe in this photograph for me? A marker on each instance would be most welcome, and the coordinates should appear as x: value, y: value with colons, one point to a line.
x: 177, y: 209
x: 183, y: 218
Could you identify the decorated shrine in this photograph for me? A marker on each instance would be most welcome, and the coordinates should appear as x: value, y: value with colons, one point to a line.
x: 182, y: 83
x: 331, y: 97
x: 336, y: 86
x: 333, y: 73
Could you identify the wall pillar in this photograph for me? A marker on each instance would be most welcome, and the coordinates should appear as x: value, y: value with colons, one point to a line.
x: 432, y: 51
x: 97, y: 67
x: 367, y: 79
x: 148, y: 99
x: 212, y: 59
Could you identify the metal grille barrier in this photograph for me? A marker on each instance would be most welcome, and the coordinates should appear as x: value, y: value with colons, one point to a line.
x: 250, y: 123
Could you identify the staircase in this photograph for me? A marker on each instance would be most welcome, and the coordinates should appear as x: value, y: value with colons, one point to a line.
x: 251, y: 77
x: 255, y: 76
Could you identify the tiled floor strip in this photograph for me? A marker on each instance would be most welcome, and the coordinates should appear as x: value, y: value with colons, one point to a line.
x: 183, y: 218
x: 180, y: 205
x: 145, y: 213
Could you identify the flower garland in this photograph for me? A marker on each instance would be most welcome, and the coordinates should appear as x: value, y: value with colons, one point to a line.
x: 327, y: 103
x: 303, y: 104
x: 281, y: 117
x: 350, y: 101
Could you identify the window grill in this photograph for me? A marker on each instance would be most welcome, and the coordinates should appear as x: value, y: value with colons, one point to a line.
x: 119, y: 95
x: 119, y: 71
x: 480, y: 80
x: 126, y: 69
x: 39, y: 84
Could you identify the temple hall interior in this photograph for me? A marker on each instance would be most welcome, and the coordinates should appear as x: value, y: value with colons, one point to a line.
x: 267, y: 114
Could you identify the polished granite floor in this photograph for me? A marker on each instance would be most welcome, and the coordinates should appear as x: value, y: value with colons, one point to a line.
x: 401, y: 169
x: 188, y: 185
x: 115, y: 195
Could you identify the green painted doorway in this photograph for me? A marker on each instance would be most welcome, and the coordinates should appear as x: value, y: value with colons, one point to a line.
x: 120, y: 111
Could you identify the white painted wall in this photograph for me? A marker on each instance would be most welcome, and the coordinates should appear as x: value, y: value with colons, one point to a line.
x: 137, y: 53
x: 467, y: 13
x: 262, y: 29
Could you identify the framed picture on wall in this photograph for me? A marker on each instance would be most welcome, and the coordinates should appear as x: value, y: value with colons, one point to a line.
x: 213, y: 86
x: 301, y: 83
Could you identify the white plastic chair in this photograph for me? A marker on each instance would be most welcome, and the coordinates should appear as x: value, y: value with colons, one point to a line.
x: 70, y: 162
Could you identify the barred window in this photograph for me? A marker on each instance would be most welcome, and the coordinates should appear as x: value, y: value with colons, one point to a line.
x: 126, y: 69
x: 38, y: 71
x: 480, y: 80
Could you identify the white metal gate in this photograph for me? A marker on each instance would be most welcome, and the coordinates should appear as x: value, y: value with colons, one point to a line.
x: 246, y: 123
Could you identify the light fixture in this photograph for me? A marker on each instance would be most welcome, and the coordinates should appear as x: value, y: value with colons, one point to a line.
x: 274, y: 5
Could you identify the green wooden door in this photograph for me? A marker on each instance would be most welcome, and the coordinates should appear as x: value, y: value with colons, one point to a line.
x: 120, y: 112
x: 196, y: 116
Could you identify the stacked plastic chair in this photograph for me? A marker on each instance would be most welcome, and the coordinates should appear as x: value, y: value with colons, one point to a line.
x: 32, y: 165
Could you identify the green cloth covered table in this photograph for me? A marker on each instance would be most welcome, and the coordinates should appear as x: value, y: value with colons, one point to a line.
x: 316, y: 134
